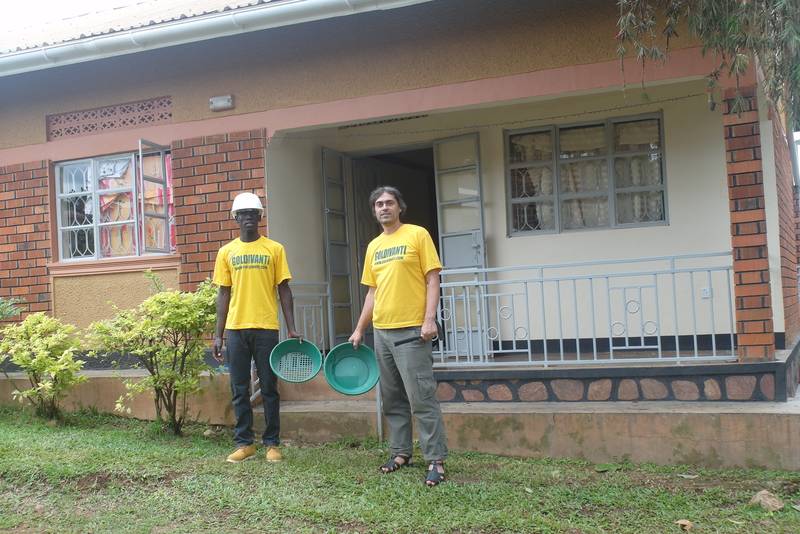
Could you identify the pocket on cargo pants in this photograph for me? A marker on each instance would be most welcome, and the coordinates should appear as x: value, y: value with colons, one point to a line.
x: 426, y: 385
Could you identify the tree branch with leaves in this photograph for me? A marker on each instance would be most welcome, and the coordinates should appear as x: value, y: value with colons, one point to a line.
x: 736, y: 32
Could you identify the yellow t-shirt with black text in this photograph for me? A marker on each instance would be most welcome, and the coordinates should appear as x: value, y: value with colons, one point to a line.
x: 396, y: 265
x: 252, y: 270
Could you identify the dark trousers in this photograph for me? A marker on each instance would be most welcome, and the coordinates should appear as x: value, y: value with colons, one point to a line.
x: 245, y: 346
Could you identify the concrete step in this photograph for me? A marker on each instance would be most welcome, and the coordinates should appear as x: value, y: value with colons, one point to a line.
x: 753, y: 434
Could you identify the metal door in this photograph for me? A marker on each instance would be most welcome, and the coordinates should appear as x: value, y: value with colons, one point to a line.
x: 458, y: 196
x: 461, y: 243
x: 336, y: 171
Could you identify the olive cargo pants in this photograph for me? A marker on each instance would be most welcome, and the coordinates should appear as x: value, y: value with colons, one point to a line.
x: 408, y: 387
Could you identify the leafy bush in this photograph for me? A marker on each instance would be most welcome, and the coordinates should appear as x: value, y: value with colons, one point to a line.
x: 44, y: 348
x: 8, y: 308
x: 165, y: 333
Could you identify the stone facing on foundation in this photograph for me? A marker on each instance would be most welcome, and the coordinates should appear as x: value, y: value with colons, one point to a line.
x: 745, y: 382
x: 685, y: 390
x: 750, y: 387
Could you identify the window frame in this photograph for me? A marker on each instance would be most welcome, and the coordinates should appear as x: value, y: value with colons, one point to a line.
x: 557, y: 197
x: 148, y: 149
x: 137, y: 194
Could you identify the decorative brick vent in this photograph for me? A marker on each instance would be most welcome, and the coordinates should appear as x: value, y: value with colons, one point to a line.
x: 116, y: 117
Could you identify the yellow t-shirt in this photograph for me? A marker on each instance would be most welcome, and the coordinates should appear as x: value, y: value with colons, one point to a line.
x: 396, y: 266
x: 252, y: 270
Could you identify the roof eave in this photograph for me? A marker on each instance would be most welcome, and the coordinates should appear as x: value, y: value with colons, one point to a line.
x: 261, y: 17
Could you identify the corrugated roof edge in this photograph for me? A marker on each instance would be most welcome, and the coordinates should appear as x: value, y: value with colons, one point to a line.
x: 141, y: 24
x: 188, y: 30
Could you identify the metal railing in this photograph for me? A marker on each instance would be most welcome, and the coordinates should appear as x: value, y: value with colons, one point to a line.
x: 669, y: 308
x: 310, y: 312
x: 643, y: 310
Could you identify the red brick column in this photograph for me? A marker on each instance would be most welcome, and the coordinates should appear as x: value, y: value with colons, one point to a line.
x: 755, y: 331
x: 787, y: 220
x: 207, y: 173
x: 25, y: 234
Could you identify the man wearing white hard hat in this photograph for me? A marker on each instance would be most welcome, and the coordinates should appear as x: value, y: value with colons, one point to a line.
x: 251, y: 271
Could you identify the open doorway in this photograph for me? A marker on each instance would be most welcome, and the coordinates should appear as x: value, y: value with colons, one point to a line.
x: 410, y: 171
x: 413, y: 173
x: 416, y: 180
x: 441, y: 185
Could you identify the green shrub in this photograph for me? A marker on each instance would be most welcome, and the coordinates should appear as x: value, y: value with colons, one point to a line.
x: 8, y: 308
x: 165, y: 333
x: 44, y: 348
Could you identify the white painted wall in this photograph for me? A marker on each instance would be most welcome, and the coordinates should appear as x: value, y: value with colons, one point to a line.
x: 294, y: 205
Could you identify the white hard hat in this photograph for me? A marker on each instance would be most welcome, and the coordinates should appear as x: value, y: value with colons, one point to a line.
x: 246, y: 201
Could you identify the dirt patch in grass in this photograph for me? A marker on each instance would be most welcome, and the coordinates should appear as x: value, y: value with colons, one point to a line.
x: 790, y: 487
x: 98, y: 481
x: 101, y: 481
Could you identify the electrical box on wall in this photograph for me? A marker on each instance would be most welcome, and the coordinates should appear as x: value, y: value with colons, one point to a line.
x: 220, y: 103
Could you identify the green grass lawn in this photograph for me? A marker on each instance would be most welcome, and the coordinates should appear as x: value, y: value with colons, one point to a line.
x: 96, y: 473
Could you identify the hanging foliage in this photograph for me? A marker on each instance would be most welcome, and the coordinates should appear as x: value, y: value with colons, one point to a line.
x: 735, y: 32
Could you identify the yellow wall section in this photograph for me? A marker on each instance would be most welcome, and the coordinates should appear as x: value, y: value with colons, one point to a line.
x: 82, y: 299
x: 421, y: 46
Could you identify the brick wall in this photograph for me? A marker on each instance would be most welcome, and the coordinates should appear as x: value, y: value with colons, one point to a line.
x: 25, y: 234
x: 207, y: 173
x: 754, y: 326
x: 787, y: 220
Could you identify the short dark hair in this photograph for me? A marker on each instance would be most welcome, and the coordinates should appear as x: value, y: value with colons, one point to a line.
x: 378, y: 191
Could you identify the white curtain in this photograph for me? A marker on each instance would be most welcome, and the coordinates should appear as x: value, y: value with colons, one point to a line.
x: 642, y: 206
x: 638, y: 171
x: 584, y: 177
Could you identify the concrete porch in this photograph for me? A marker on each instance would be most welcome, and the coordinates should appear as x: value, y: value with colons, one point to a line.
x: 741, y: 434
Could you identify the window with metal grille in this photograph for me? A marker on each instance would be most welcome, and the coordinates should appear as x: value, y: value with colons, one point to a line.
x: 598, y: 175
x: 115, y: 206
